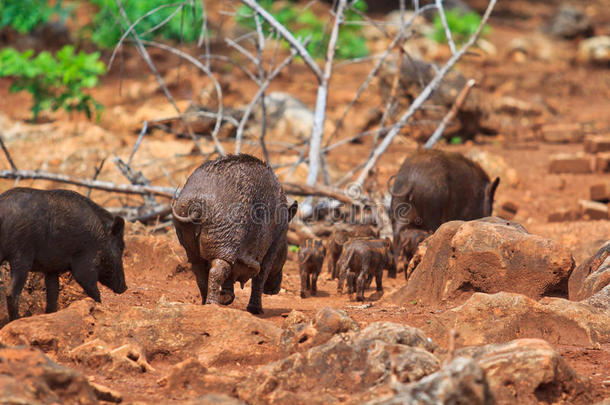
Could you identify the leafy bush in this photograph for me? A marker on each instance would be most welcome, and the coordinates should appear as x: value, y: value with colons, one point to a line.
x: 185, y: 24
x: 25, y: 15
x: 462, y: 26
x: 54, y: 82
x: 305, y: 24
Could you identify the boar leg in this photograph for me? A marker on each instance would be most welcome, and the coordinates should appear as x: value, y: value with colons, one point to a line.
x: 219, y: 273
x: 84, y: 276
x: 227, y: 292
x: 314, y: 283
x: 378, y: 278
x: 19, y: 275
x: 51, y: 283
x: 360, y: 285
x: 304, y: 279
x: 202, y: 271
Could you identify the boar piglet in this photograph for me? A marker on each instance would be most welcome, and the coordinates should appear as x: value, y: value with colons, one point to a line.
x: 311, y: 258
x: 56, y: 231
x: 337, y: 239
x: 361, y: 260
x: 231, y: 217
x: 433, y: 187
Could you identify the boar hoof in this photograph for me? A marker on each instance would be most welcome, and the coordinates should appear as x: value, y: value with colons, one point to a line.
x: 358, y: 298
x: 303, y: 295
x: 254, y: 310
x: 226, y: 298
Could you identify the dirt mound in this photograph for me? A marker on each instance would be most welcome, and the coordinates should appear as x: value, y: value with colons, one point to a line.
x: 487, y: 255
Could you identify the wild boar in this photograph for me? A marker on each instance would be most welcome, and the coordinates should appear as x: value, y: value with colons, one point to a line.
x: 433, y: 187
x: 410, y: 240
x: 338, y: 238
x: 361, y: 260
x: 56, y: 231
x: 231, y: 217
x: 311, y: 258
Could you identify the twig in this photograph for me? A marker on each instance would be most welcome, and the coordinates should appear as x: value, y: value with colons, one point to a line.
x: 96, y: 184
x: 320, y: 191
x: 7, y: 154
x: 441, y: 13
x: 260, y: 45
x: 98, y: 170
x: 423, y: 96
x: 137, y: 145
x: 459, y: 101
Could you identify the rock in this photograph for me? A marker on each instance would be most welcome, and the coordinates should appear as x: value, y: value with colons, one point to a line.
x: 600, y: 299
x: 494, y: 166
x: 602, y: 162
x: 502, y: 317
x: 507, y: 210
x: 106, y: 394
x: 536, y: 46
x: 287, y: 116
x: 29, y: 377
x: 214, y: 399
x: 577, y: 163
x: 597, y: 143
x: 593, y: 209
x: 595, y: 50
x: 191, y: 375
x: 600, y: 192
x: 96, y: 354
x: 511, y: 105
x: 486, y: 255
x: 352, y: 362
x: 564, y: 214
x: 414, y: 73
x: 301, y: 336
x: 527, y: 371
x: 461, y: 382
x: 590, y: 276
x: 211, y: 333
x: 561, y: 133
x: 569, y: 22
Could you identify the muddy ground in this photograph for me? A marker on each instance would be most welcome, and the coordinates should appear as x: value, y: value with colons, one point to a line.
x: 564, y: 90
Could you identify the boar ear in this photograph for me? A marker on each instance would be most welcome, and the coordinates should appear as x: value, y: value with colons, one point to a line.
x: 118, y: 225
x: 492, y: 188
x: 292, y: 210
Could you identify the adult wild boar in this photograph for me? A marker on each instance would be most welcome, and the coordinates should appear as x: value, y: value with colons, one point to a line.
x: 56, y: 231
x: 337, y: 239
x: 433, y: 187
x: 231, y: 217
x: 311, y: 258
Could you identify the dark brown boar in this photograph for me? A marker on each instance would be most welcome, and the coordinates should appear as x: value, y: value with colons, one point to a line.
x: 338, y: 238
x: 231, y: 217
x: 433, y: 187
x: 56, y: 231
x: 311, y: 258
x: 410, y: 240
x: 361, y: 260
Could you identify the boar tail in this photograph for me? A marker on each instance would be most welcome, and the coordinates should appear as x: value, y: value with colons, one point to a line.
x: 193, y: 216
x: 398, y: 193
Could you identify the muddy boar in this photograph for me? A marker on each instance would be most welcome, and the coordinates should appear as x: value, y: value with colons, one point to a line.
x: 338, y: 238
x: 311, y: 258
x: 410, y: 240
x: 361, y: 260
x: 433, y: 187
x: 56, y: 231
x: 231, y: 217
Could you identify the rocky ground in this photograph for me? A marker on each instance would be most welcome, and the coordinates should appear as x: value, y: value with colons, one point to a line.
x: 504, y: 311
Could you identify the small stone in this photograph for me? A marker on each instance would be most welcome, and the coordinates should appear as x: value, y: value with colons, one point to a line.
x: 106, y: 394
x: 561, y: 133
x: 600, y: 192
x: 595, y: 50
x: 602, y: 162
x: 571, y: 163
x: 597, y: 143
x: 508, y: 210
x: 593, y: 209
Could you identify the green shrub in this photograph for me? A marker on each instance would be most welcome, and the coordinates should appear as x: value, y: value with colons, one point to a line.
x: 462, y: 26
x: 54, y: 82
x: 25, y: 15
x: 305, y: 24
x: 185, y: 25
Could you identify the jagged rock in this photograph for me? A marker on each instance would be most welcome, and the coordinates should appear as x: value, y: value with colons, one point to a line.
x: 286, y: 116
x: 29, y: 377
x: 486, y: 255
x: 527, y: 371
x: 461, y: 382
x: 600, y: 299
x: 327, y: 322
x: 502, y: 317
x: 595, y: 50
x: 212, y: 333
x: 191, y: 375
x: 590, y: 276
x: 569, y: 22
x: 353, y: 362
x: 97, y: 354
